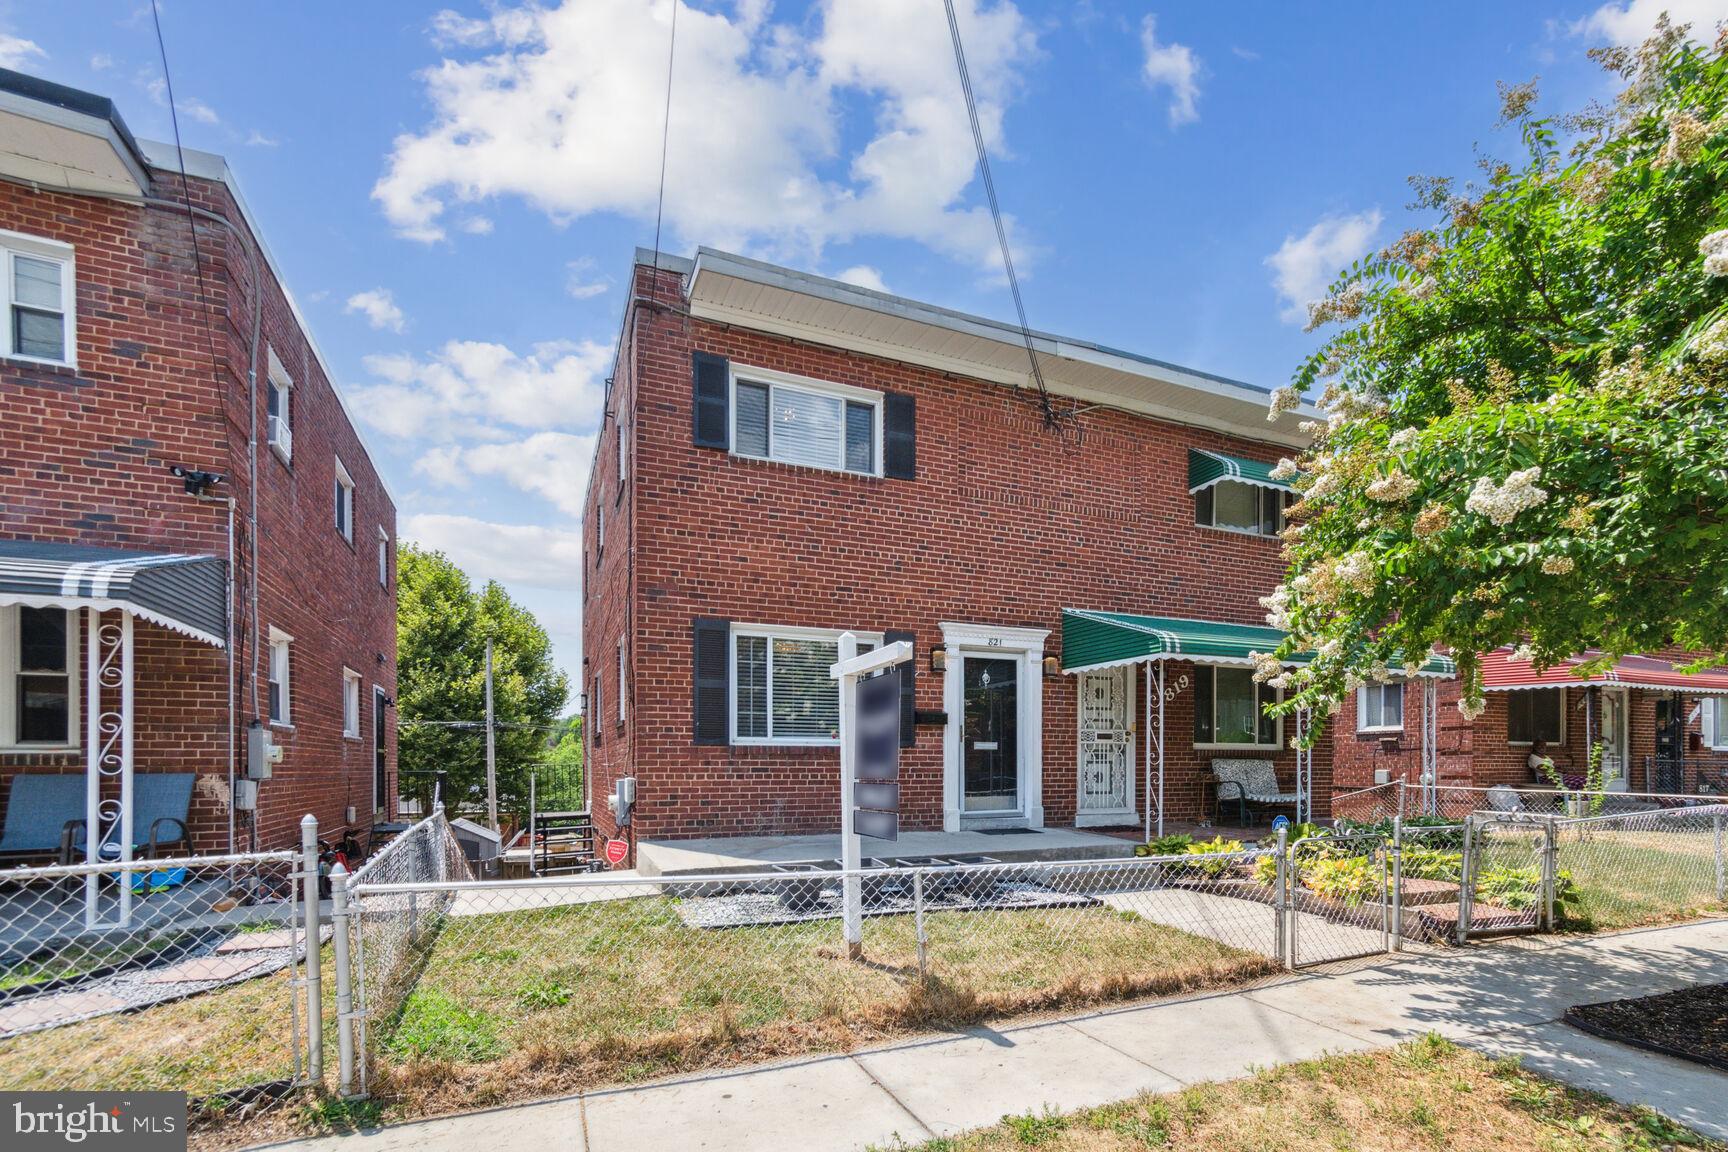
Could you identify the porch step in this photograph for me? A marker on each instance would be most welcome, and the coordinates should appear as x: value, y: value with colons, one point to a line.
x: 1424, y: 892
x: 1441, y: 920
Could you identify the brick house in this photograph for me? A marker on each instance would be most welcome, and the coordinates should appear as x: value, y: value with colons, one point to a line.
x: 1661, y: 730
x: 151, y: 620
x: 784, y: 457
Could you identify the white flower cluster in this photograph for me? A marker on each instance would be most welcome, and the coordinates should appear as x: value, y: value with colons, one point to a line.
x: 1391, y: 489
x: 1403, y: 438
x: 1471, y: 707
x: 1266, y: 666
x: 1355, y: 571
x: 1422, y: 289
x: 1284, y: 400
x: 1500, y: 503
x: 1557, y: 565
x: 1714, y: 249
x: 1711, y: 345
x: 1524, y: 653
x: 1277, y: 607
x: 1286, y: 469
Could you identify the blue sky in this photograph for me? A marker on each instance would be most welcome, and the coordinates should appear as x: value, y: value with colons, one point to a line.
x: 454, y: 194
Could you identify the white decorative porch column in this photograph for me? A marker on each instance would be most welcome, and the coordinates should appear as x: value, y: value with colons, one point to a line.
x: 108, y: 746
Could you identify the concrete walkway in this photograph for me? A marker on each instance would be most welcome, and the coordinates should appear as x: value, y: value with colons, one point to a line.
x: 751, y: 853
x: 1505, y: 998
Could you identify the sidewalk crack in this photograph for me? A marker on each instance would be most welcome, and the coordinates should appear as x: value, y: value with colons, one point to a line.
x: 1124, y: 1052
x: 889, y: 1092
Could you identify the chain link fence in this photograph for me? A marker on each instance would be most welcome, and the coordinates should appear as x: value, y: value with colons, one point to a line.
x: 1453, y: 802
x: 174, y: 974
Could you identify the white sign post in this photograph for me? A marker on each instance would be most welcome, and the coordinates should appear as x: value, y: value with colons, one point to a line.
x: 848, y: 671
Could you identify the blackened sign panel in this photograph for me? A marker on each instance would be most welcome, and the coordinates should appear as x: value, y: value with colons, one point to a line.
x: 876, y: 757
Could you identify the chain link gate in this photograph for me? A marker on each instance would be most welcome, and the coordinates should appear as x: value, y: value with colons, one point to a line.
x: 1508, y: 877
x: 1339, y: 900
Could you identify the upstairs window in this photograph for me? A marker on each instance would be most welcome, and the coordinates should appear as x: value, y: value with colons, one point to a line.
x: 1380, y: 708
x: 1238, y: 507
x: 1536, y: 714
x: 344, y: 497
x: 279, y: 414
x: 621, y: 692
x: 383, y: 558
x: 816, y: 425
x: 1230, y: 709
x: 40, y: 298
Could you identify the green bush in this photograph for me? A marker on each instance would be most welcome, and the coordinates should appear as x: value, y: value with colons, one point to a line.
x: 1422, y: 862
x: 1214, y: 846
x: 1520, y: 888
x: 1350, y: 880
x: 1176, y: 844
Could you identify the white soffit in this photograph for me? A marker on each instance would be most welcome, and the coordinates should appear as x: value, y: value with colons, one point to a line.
x: 64, y: 150
x: 736, y: 290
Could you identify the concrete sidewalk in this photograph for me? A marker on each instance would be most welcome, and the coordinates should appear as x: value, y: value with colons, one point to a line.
x: 1504, y: 998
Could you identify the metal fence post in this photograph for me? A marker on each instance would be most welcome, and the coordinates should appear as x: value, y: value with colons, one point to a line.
x: 1466, y: 879
x: 1280, y: 905
x: 1550, y: 870
x: 1397, y: 942
x: 1401, y: 784
x: 918, y: 916
x: 344, y: 980
x: 314, y: 942
x: 1721, y: 869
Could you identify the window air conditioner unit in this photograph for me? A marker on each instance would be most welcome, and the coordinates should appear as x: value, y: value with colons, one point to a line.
x: 281, y: 436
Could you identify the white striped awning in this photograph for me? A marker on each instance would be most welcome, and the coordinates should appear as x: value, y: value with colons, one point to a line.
x: 182, y: 591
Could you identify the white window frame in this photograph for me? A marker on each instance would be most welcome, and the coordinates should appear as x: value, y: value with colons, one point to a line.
x: 1256, y: 746
x: 772, y: 632
x: 383, y: 557
x: 281, y: 672
x: 747, y: 375
x: 342, y: 499
x: 1394, y: 687
x: 1560, y: 695
x: 621, y: 693
x: 280, y: 436
x: 350, y: 703
x: 9, y: 673
x: 599, y: 531
x: 1713, y: 719
x: 623, y: 456
x: 40, y: 248
x: 1260, y: 490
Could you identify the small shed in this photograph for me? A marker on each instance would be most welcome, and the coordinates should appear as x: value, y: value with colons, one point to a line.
x: 480, y: 844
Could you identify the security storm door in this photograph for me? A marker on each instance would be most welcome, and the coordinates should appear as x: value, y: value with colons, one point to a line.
x: 1106, y: 745
x: 991, y: 735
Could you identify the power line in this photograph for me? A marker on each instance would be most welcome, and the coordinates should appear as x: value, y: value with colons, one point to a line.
x: 996, y: 212
x: 665, y: 137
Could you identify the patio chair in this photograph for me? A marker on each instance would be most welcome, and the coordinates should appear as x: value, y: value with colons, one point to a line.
x: 161, y: 801
x: 1248, y: 782
x: 44, y: 817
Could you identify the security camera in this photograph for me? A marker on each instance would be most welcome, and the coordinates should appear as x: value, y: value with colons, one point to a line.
x: 197, y: 482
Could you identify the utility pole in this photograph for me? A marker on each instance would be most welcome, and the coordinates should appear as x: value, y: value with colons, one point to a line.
x: 491, y: 748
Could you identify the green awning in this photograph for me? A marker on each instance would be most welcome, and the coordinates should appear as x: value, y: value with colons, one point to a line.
x: 1092, y: 640
x: 1208, y: 468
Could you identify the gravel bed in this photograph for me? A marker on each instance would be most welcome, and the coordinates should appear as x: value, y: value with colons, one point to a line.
x: 820, y: 900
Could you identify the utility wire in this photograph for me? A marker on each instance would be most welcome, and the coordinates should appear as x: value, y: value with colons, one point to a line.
x: 996, y: 213
x: 665, y: 137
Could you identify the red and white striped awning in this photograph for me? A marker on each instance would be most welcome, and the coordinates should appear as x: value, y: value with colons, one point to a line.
x: 1501, y: 672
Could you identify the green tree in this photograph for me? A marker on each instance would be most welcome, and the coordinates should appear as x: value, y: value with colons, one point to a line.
x: 1527, y: 401
x: 442, y: 628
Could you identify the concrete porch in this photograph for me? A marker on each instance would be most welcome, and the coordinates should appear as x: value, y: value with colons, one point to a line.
x: 748, y: 853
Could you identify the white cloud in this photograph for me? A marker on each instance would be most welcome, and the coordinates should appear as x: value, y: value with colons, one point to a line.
x: 564, y: 110
x: 476, y: 225
x: 472, y: 389
x: 17, y: 52
x: 580, y: 280
x: 257, y: 139
x: 1305, y: 265
x: 864, y: 276
x: 512, y: 554
x: 1630, y: 23
x: 379, y: 307
x: 101, y: 62
x: 188, y: 106
x: 1173, y: 66
x: 551, y: 465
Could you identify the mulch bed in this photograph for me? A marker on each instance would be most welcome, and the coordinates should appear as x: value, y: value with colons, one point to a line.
x: 1691, y: 1024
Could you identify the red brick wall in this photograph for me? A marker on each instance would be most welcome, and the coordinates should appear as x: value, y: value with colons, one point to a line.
x: 1005, y: 524
x: 85, y: 459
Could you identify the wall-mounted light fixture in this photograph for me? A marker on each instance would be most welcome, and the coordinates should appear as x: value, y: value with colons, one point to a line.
x: 938, y: 659
x: 1052, y: 667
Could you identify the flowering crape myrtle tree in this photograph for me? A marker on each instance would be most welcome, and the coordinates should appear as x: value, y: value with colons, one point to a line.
x: 1527, y: 433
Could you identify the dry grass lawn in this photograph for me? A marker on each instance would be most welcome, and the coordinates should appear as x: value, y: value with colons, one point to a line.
x: 1428, y: 1094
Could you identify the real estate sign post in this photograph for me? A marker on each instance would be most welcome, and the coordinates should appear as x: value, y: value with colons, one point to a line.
x: 869, y: 763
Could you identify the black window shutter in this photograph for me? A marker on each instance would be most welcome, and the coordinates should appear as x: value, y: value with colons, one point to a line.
x: 710, y: 640
x: 900, y: 436
x: 711, y: 381
x: 595, y: 727
x: 908, y: 696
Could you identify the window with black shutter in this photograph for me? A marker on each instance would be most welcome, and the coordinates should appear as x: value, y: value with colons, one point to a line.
x: 899, y: 436
x: 709, y: 643
x: 711, y: 382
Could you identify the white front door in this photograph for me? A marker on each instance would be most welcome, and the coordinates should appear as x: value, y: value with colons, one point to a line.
x: 1106, y: 793
x: 1613, y: 739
